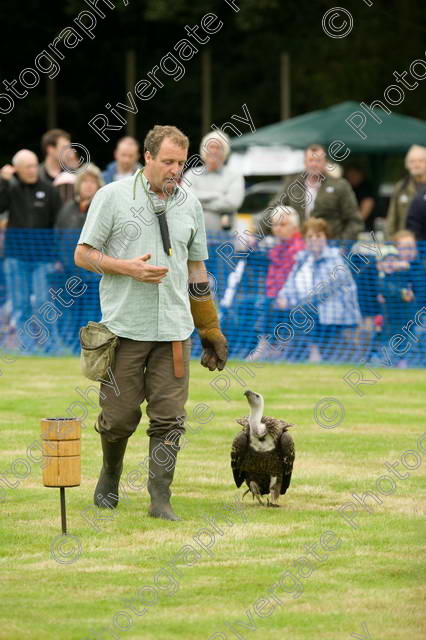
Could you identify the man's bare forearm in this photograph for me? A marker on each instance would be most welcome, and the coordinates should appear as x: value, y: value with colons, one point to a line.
x: 89, y: 258
x: 197, y: 271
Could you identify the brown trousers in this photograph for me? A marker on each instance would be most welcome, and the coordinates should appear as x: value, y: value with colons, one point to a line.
x: 144, y: 370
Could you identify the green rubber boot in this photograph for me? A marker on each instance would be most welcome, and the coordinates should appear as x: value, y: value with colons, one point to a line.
x: 113, y: 454
x: 159, y: 483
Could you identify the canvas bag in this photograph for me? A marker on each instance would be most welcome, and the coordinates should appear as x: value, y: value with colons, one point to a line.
x: 98, y: 345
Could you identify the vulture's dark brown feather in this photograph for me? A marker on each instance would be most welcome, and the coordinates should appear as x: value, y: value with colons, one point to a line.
x: 238, y: 453
x: 286, y: 453
x: 250, y: 465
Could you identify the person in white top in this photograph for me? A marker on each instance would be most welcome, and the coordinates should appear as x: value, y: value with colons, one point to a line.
x: 219, y: 189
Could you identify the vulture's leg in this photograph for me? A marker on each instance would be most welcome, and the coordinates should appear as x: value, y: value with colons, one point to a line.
x: 274, y: 487
x: 244, y: 494
x: 254, y: 488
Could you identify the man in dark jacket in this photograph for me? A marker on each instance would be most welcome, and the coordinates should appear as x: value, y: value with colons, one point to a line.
x: 31, y: 204
x: 315, y: 194
x: 52, y: 144
x: 406, y: 189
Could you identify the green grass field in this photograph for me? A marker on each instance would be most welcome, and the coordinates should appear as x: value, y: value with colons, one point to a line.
x: 374, y: 576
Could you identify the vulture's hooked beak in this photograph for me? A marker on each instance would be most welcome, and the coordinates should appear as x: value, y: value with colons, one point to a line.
x: 251, y: 395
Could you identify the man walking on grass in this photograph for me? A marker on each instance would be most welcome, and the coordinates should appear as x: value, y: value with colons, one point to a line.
x: 154, y: 289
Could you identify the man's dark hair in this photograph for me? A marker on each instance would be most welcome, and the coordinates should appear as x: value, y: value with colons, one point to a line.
x: 355, y: 166
x: 315, y: 148
x: 50, y: 138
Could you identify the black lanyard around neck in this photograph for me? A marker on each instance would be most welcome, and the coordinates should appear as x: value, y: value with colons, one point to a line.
x: 159, y: 212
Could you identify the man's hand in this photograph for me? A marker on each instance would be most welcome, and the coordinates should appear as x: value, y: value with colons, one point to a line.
x: 215, y: 349
x: 142, y: 272
x: 7, y: 171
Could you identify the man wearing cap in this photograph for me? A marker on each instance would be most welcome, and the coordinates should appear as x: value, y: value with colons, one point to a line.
x: 148, y: 239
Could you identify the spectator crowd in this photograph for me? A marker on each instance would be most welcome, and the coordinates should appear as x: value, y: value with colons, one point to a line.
x: 43, y: 205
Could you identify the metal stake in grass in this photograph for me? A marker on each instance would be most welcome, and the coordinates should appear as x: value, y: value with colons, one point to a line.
x: 61, y: 453
x: 63, y: 510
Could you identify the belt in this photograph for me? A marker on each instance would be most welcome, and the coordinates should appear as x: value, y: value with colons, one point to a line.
x: 178, y: 367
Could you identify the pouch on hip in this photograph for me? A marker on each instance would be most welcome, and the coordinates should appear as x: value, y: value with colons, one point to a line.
x: 98, y: 345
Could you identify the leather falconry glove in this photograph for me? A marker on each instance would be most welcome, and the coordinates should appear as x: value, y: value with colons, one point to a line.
x: 204, y: 314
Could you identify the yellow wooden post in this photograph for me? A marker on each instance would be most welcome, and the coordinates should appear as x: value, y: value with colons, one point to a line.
x: 61, y: 450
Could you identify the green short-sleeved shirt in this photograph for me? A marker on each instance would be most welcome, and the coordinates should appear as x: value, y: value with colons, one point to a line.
x: 125, y: 227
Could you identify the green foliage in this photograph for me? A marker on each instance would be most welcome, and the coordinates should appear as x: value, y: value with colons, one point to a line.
x: 386, y: 37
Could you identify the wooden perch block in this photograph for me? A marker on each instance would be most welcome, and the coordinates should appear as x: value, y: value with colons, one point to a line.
x: 61, y: 449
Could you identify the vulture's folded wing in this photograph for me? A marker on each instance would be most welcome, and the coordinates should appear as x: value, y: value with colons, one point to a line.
x: 238, y: 453
x: 243, y: 422
x: 286, y: 453
x: 276, y: 424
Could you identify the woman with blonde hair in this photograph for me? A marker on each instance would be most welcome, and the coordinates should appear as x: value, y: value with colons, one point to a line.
x: 72, y: 214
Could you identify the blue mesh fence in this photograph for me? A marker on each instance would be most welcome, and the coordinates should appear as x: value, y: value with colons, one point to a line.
x: 341, y: 309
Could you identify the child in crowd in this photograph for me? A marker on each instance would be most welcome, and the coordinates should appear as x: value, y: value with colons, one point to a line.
x: 334, y: 312
x: 401, y: 285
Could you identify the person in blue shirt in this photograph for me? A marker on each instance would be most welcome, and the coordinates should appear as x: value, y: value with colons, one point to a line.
x: 331, y: 309
x: 126, y: 160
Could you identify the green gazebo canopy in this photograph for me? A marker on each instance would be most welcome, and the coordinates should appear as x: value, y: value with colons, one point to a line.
x: 395, y: 134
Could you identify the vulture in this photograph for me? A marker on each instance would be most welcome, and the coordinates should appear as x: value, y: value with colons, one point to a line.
x: 262, y: 453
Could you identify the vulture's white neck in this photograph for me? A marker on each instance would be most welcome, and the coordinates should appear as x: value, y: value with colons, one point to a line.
x: 257, y: 428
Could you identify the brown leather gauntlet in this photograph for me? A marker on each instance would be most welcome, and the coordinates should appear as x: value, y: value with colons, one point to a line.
x: 204, y: 314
